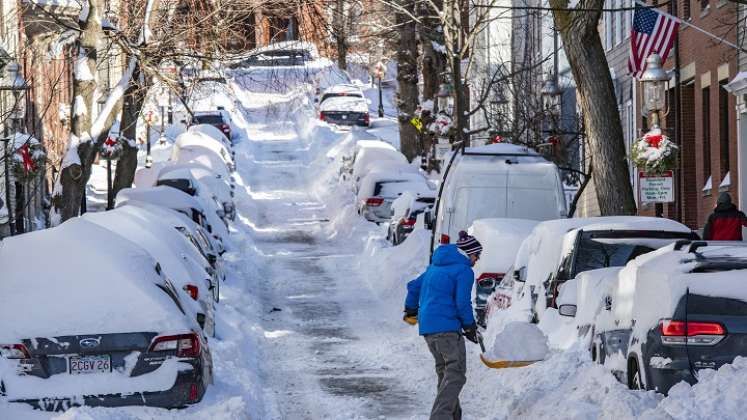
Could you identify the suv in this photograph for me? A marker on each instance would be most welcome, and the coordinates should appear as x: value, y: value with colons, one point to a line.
x: 673, y: 314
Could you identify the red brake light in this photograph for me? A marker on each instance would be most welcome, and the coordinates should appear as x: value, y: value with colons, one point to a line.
x: 407, y: 222
x: 14, y: 351
x: 321, y: 116
x: 366, y: 118
x: 185, y: 345
x: 194, y: 291
x: 670, y: 328
x: 374, y: 201
x: 193, y: 392
x: 497, y: 276
x: 445, y: 239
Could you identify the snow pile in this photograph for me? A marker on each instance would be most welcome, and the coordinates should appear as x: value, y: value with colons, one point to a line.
x: 719, y: 394
x: 519, y: 341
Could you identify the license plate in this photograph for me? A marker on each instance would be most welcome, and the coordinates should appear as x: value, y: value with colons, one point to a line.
x: 90, y: 364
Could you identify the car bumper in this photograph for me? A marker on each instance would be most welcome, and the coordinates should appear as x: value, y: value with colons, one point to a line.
x: 661, y: 378
x: 189, y: 384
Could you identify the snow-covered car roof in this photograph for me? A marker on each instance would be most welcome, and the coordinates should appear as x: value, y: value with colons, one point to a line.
x: 344, y: 104
x: 200, y: 174
x: 202, y: 156
x: 200, y: 139
x: 212, y: 132
x: 502, y: 148
x: 415, y: 183
x: 366, y: 144
x: 166, y: 245
x: 500, y: 239
x: 92, y: 281
x: 343, y: 88
x: 367, y: 159
x: 162, y: 196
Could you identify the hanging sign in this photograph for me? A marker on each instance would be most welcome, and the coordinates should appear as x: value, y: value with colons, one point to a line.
x: 656, y: 188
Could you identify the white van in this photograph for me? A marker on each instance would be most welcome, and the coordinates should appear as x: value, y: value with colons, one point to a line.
x: 497, y: 181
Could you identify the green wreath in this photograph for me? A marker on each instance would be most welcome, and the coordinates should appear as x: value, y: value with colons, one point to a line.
x: 29, y: 160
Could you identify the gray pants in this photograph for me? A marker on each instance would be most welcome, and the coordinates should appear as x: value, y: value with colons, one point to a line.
x: 451, y: 367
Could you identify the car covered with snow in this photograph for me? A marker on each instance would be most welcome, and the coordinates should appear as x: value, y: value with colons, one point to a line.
x: 345, y: 110
x: 369, y: 159
x: 196, y: 175
x: 197, y: 141
x: 674, y: 313
x: 559, y: 250
x: 219, y: 119
x: 500, y: 239
x: 110, y: 329
x: 496, y: 181
x: 181, y: 262
x: 379, y: 189
x: 279, y: 54
x: 341, y: 90
x: 405, y: 211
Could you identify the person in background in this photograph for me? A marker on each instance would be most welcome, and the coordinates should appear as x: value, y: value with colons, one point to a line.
x: 726, y: 221
x: 440, y: 300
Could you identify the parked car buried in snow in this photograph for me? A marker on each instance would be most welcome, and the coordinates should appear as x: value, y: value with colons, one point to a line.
x: 345, y: 110
x: 673, y: 313
x: 379, y: 189
x: 405, y: 211
x: 500, y: 239
x: 109, y: 329
x: 218, y: 119
x: 341, y: 90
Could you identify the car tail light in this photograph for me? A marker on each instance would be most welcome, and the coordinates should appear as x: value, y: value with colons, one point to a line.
x: 374, y: 202
x: 407, y: 222
x: 445, y: 239
x: 489, y: 280
x: 193, y: 393
x: 14, y: 351
x: 366, y: 119
x: 185, y: 345
x: 225, y: 128
x: 692, y: 332
x: 194, y: 291
x: 321, y: 116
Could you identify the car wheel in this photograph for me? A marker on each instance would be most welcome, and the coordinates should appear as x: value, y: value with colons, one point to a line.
x: 635, y: 380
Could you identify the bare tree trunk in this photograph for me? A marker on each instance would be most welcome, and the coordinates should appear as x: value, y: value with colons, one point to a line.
x: 407, y: 77
x: 434, y: 63
x: 585, y: 53
x: 134, y: 98
x: 340, y: 35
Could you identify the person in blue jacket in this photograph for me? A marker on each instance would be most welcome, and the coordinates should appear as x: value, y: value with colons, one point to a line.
x: 440, y: 300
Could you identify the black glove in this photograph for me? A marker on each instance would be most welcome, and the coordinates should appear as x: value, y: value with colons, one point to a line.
x: 470, y: 333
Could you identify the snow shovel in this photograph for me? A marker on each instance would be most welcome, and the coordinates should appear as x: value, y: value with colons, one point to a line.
x: 500, y: 364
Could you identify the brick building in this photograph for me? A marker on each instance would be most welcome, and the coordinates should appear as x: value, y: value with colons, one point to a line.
x: 707, y: 134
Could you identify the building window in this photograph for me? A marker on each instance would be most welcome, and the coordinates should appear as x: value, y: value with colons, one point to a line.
x: 627, y: 19
x: 608, y: 31
x: 686, y: 9
x: 706, y: 124
x: 723, y: 126
x: 619, y: 19
x: 704, y: 5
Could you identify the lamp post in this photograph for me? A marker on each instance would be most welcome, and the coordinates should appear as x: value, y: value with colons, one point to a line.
x: 380, y: 72
x: 443, y: 96
x: 653, y: 82
x: 12, y: 82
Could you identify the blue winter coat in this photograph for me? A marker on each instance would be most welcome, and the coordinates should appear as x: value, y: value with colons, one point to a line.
x: 443, y: 293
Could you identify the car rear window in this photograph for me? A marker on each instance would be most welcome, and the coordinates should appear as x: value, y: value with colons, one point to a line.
x: 391, y: 189
x: 338, y: 94
x: 207, y: 119
x: 592, y: 254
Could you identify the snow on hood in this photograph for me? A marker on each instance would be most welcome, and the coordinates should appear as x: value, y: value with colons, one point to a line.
x: 82, y: 287
x: 365, y: 144
x: 200, y: 139
x: 500, y: 239
x: 210, y: 131
x: 344, y: 103
x: 201, y: 175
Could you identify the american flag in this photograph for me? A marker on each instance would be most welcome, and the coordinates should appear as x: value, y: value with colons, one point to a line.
x: 653, y: 31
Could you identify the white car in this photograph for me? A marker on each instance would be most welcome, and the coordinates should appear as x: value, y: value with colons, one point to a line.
x: 97, y: 323
x: 379, y: 189
x: 345, y: 110
x: 341, y: 90
x: 210, y: 181
x: 360, y: 145
x: 500, y: 239
x: 497, y: 181
x: 172, y: 251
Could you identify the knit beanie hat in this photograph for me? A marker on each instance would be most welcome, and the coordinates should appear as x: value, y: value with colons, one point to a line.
x: 468, y: 244
x: 724, y: 198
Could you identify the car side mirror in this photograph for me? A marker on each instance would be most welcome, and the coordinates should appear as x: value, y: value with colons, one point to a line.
x: 212, y: 259
x: 520, y: 275
x: 567, y: 310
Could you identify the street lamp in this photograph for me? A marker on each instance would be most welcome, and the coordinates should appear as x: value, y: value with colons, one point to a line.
x: 443, y: 96
x: 380, y: 72
x: 551, y: 95
x: 654, y: 81
x: 12, y: 82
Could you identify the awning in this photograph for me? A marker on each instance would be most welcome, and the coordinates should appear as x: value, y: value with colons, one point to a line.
x: 737, y: 85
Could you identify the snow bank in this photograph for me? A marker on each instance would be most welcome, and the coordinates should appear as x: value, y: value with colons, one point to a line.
x: 519, y: 341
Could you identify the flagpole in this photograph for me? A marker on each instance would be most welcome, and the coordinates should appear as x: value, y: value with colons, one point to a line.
x: 690, y: 25
x: 677, y: 122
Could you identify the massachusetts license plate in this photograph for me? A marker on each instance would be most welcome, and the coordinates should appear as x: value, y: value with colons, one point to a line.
x: 90, y: 364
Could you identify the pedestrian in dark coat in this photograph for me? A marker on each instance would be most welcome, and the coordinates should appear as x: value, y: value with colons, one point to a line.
x: 441, y: 299
x: 726, y: 221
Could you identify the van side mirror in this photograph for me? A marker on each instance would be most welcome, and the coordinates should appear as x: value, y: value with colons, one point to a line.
x: 520, y: 275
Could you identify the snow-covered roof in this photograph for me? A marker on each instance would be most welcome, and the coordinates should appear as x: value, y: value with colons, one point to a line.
x: 91, y: 282
x: 162, y: 196
x: 502, y: 148
x: 409, y: 182
x: 201, y: 156
x: 367, y: 159
x: 500, y: 239
x: 344, y: 103
x: 198, y: 174
x: 366, y: 144
x: 200, y: 139
x: 635, y: 223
